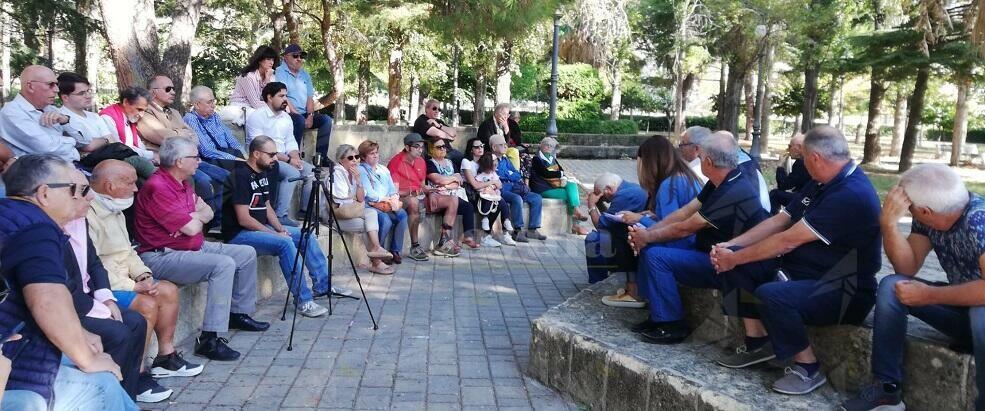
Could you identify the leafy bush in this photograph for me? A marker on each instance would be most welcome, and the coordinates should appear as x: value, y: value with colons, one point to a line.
x: 579, y: 82
x: 579, y: 110
x: 537, y: 123
x: 662, y: 123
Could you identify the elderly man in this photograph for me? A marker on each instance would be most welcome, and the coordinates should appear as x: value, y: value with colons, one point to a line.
x: 689, y: 146
x: 789, y: 179
x: 950, y: 221
x: 43, y: 198
x: 31, y: 123
x: 300, y: 94
x: 830, y: 251
x: 727, y: 206
x: 169, y: 220
x: 621, y: 196
x: 274, y: 121
x: 516, y: 192
x: 251, y: 222
x: 216, y: 143
x: 430, y: 126
x: 408, y: 171
x: 114, y: 184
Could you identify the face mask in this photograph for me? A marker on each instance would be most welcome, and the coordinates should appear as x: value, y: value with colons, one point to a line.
x: 115, y: 205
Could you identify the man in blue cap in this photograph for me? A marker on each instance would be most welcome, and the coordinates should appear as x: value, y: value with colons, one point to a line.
x: 300, y: 96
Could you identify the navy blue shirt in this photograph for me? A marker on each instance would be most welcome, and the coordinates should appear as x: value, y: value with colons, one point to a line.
x: 731, y: 209
x: 844, y: 214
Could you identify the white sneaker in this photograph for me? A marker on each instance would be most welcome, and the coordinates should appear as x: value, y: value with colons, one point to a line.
x: 505, y: 239
x: 488, y: 241
x: 341, y: 290
x: 507, y: 227
x: 311, y: 309
x: 485, y: 223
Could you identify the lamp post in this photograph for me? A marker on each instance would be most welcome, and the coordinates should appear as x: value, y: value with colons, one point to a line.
x: 552, y: 100
x: 754, y: 152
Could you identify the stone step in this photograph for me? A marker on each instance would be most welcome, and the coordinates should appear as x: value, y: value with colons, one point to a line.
x: 585, y: 350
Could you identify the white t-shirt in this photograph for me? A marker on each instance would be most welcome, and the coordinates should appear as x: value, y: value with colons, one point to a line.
x: 343, y: 190
x: 89, y: 124
x: 470, y: 165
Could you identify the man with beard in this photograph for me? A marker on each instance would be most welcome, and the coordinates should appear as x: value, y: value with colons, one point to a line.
x: 273, y: 121
x: 251, y: 221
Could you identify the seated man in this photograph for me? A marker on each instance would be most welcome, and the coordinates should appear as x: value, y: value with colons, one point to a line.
x: 621, y: 196
x: 300, y: 97
x: 789, y: 181
x: 829, y: 242
x: 430, y: 126
x: 134, y: 287
x: 516, y: 192
x: 273, y: 121
x: 42, y: 199
x: 31, y: 123
x: 690, y: 143
x: 122, y: 117
x: 951, y: 221
x: 727, y: 206
x: 250, y: 221
x: 409, y: 171
x: 169, y: 221
x: 216, y: 143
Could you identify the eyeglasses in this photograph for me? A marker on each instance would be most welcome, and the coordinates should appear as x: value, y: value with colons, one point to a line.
x: 682, y: 145
x: 82, y: 93
x: 50, y: 84
x: 352, y: 157
x: 77, y: 190
x: 441, y: 147
x: 270, y: 154
x: 167, y: 89
x: 197, y: 158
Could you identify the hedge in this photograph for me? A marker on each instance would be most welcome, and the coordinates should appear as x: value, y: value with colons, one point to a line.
x: 661, y: 123
x: 537, y: 122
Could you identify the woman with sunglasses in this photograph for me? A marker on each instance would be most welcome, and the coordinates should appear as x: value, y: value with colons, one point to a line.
x: 246, y: 97
x: 471, y: 171
x: 383, y: 195
x: 446, y: 187
x: 349, y: 202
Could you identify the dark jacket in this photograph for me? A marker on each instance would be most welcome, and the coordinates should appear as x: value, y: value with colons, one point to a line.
x: 541, y: 172
x: 796, y: 179
x: 488, y: 129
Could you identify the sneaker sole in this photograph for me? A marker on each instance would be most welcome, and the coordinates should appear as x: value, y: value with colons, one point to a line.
x: 417, y: 258
x: 747, y: 364
x: 897, y: 407
x: 154, y: 397
x: 217, y: 359
x: 624, y: 304
x: 813, y: 387
x: 161, y: 372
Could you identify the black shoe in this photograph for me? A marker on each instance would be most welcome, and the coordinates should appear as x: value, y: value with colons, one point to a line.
x: 215, y: 348
x: 244, y: 322
x: 645, y: 326
x: 150, y: 391
x: 396, y: 258
x: 666, y: 334
x: 174, y: 365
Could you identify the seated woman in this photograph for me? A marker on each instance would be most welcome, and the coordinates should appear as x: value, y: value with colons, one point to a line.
x: 382, y: 195
x: 484, y: 189
x: 670, y: 184
x: 547, y: 179
x: 349, y: 204
x: 246, y: 96
x: 446, y: 193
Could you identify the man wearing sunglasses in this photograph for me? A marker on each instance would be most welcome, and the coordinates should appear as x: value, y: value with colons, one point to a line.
x: 300, y: 96
x: 31, y: 123
x: 430, y: 126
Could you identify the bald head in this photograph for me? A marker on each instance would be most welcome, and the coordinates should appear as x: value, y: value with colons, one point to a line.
x: 39, y: 85
x: 114, y: 178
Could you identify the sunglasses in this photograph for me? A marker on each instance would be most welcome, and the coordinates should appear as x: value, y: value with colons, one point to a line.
x: 352, y: 157
x: 50, y: 84
x: 167, y: 89
x: 441, y: 147
x: 682, y: 145
x: 418, y: 145
x: 77, y: 190
x: 435, y: 108
x: 478, y: 146
x: 298, y: 55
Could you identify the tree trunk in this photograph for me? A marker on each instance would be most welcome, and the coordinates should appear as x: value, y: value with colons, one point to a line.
x: 178, y: 50
x: 722, y: 87
x: 362, y: 99
x: 811, y: 75
x: 80, y: 37
x: 504, y: 74
x: 415, y: 98
x: 49, y: 45
x: 616, y: 103
x: 728, y: 116
x: 960, y: 119
x: 276, y: 14
x: 394, y: 72
x: 290, y: 22
x: 750, y: 93
x: 679, y: 97
x: 796, y: 125
x: 841, y: 104
x: 832, y: 91
x: 872, y: 150
x: 686, y: 91
x: 131, y: 36
x: 899, y: 122
x: 914, y: 118
x: 479, y: 100
x: 455, y: 101
x: 334, y: 55
x: 767, y: 108
x: 5, y: 27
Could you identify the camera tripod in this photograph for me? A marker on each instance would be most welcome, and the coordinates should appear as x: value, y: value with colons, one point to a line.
x: 309, y: 230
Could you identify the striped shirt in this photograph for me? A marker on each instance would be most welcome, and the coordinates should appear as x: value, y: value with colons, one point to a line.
x: 210, y: 132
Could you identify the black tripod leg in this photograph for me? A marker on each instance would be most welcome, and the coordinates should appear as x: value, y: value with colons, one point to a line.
x: 345, y: 245
x: 293, y: 285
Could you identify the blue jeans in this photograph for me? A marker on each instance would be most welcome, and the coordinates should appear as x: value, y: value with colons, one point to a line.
x: 516, y: 207
x: 324, y: 125
x: 599, y: 255
x: 216, y: 183
x: 286, y: 249
x: 396, y: 221
x: 23, y: 400
x: 77, y: 390
x: 285, y: 188
x: 965, y: 325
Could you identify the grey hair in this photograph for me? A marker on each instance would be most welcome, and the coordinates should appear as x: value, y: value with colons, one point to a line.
x: 343, y: 148
x: 173, y: 149
x: 611, y: 180
x: 31, y: 171
x: 133, y: 94
x: 722, y: 149
x: 936, y: 187
x: 549, y: 141
x: 258, y: 142
x: 697, y: 134
x: 828, y: 142
x: 501, y: 106
x: 198, y: 93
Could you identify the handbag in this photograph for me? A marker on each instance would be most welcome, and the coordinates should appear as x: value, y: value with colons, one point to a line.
x: 556, y: 182
x: 349, y: 210
x: 111, y: 151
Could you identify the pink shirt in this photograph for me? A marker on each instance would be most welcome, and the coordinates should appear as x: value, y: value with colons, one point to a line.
x: 78, y: 238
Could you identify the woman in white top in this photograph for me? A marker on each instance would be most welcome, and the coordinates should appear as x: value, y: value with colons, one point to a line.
x: 349, y: 202
x: 246, y: 93
x: 470, y: 170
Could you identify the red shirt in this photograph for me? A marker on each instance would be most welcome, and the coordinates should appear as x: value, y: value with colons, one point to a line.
x: 407, y: 176
x: 164, y: 206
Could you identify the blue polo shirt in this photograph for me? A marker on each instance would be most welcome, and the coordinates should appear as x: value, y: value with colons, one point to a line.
x: 299, y: 87
x: 730, y: 209
x: 628, y: 197
x: 960, y: 247
x: 844, y: 214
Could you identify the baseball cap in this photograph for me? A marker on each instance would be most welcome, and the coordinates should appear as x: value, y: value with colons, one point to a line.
x: 412, y: 138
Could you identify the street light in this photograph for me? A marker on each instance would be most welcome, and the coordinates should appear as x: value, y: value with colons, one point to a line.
x: 552, y: 100
x: 754, y: 152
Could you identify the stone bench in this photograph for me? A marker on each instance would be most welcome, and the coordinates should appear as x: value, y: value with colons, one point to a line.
x: 585, y: 350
